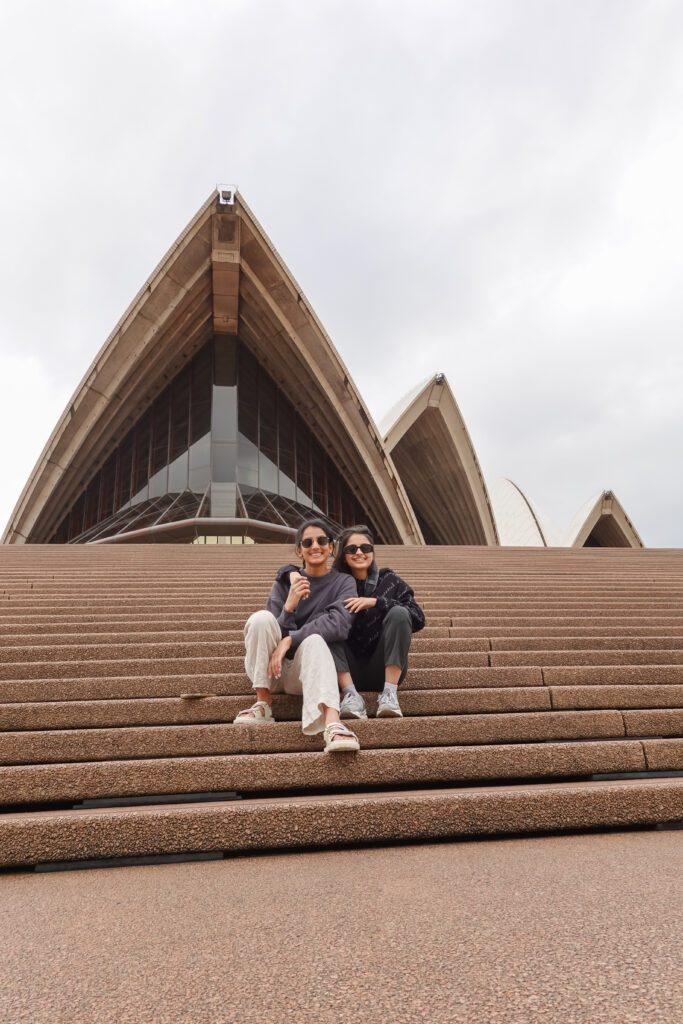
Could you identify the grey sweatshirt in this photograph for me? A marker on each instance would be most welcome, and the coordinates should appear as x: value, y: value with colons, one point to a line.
x: 322, y: 612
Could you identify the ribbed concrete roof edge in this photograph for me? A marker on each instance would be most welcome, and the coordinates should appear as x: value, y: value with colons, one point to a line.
x: 386, y: 474
x: 603, y: 504
x: 400, y: 409
x: 436, y: 393
x: 16, y: 531
x: 85, y: 412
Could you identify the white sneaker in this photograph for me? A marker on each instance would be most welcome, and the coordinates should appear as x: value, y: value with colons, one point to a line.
x: 388, y: 705
x: 352, y: 706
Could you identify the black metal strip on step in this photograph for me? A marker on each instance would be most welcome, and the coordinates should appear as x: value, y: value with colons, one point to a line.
x: 612, y: 776
x: 158, y: 798
x: 125, y: 862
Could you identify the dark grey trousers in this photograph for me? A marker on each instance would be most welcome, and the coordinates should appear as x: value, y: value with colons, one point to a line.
x: 392, y: 649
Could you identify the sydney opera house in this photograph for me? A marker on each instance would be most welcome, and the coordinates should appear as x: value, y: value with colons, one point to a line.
x: 219, y: 408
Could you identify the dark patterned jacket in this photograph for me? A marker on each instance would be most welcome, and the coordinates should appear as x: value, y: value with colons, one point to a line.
x: 389, y: 590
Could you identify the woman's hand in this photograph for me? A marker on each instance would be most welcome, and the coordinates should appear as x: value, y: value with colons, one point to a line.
x: 275, y: 663
x: 359, y: 604
x: 299, y: 589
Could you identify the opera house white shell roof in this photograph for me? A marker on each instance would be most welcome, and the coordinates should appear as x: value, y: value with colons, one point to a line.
x: 219, y: 406
x: 600, y: 522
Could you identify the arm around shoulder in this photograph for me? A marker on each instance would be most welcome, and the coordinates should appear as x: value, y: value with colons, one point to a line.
x: 393, y: 591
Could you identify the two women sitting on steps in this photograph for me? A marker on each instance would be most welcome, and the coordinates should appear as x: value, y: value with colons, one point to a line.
x: 325, y: 630
x: 287, y: 644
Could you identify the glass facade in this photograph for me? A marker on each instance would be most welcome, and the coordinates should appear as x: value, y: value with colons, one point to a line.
x: 221, y: 441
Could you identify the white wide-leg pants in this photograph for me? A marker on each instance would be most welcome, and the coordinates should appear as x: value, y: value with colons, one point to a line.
x: 310, y: 672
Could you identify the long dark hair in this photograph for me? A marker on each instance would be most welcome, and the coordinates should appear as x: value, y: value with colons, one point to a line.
x: 319, y: 524
x: 339, y: 559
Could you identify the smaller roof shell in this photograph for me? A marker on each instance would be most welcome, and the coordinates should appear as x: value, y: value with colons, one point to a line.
x: 602, y: 522
x: 436, y: 461
x: 520, y: 522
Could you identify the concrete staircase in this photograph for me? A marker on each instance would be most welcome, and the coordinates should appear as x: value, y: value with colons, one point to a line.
x: 545, y: 693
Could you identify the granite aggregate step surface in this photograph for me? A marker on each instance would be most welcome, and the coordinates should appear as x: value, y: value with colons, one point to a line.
x: 534, y: 665
x: 548, y: 659
x: 150, y: 711
x: 592, y: 630
x: 14, y: 659
x: 581, y: 643
x: 330, y: 820
x: 248, y: 773
x: 43, y: 747
x: 59, y: 683
x: 611, y: 696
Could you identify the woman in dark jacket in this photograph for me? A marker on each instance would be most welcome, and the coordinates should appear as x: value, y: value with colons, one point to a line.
x: 374, y: 656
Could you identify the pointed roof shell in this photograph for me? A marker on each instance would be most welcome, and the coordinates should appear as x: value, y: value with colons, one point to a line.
x: 601, y: 521
x: 222, y: 276
x: 434, y: 455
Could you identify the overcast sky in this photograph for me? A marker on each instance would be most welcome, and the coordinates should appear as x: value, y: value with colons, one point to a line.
x: 488, y: 189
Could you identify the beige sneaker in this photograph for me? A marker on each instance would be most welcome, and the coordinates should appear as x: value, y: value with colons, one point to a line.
x: 259, y: 713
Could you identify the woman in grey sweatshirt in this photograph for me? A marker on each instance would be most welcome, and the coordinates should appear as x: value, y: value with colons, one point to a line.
x: 287, y: 644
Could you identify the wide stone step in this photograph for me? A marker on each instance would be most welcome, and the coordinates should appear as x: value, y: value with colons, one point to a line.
x: 585, y: 657
x: 233, y: 640
x: 51, y: 629
x: 614, y: 696
x: 436, y: 639
x: 244, y: 826
x: 34, y: 784
x: 426, y: 641
x: 581, y: 631
x: 17, y: 698
x: 174, y: 710
x: 578, y: 643
x: 210, y: 600
x: 562, y: 619
x: 119, y: 622
x: 19, y: 662
x: 162, y: 601
x: 195, y: 740
x: 213, y: 597
x: 519, y: 606
x: 225, y: 596
x: 492, y: 586
x: 14, y: 661
x: 608, y: 675
x: 58, y: 682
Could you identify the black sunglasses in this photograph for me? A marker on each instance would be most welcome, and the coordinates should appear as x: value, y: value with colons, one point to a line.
x: 351, y: 549
x: 322, y: 541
